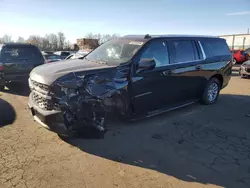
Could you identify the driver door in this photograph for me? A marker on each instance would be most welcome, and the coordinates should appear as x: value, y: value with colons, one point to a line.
x: 148, y: 86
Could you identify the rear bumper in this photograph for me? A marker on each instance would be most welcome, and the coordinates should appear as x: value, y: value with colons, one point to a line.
x: 51, y: 120
x: 16, y: 77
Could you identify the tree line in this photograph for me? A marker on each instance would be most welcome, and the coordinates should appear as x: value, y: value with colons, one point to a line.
x: 55, y: 42
x: 51, y: 41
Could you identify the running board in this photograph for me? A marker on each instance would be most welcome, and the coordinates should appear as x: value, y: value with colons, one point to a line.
x: 161, y: 111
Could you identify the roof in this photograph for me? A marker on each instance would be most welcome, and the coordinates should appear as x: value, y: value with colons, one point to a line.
x: 147, y: 37
x: 17, y: 44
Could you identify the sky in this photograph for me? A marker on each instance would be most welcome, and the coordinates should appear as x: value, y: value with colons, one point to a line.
x: 76, y: 18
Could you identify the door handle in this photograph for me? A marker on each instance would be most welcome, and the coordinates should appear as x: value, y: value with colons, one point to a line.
x: 197, y: 67
x: 166, y: 72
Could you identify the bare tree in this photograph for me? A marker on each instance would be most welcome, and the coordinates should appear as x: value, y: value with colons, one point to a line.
x: 108, y: 37
x: 45, y: 45
x: 6, y: 38
x: 35, y: 40
x: 101, y: 37
x: 20, y: 39
x: 90, y: 36
x: 61, y: 40
x: 53, y: 42
x: 67, y: 45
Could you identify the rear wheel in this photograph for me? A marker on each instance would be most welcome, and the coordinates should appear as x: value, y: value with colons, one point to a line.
x: 211, y: 92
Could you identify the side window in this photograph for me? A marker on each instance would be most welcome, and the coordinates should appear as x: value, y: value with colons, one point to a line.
x: 158, y: 51
x: 182, y: 51
x: 216, y: 47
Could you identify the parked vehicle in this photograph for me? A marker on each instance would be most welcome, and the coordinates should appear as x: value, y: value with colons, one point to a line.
x: 52, y: 58
x: 63, y: 54
x: 47, y: 52
x: 244, y: 70
x: 16, y: 62
x: 77, y: 55
x: 248, y: 51
x: 133, y: 77
x: 239, y: 56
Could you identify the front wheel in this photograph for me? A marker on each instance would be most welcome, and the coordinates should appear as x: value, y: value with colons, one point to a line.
x: 211, y: 92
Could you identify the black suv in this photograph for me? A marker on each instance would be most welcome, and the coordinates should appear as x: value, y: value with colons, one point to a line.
x: 133, y: 77
x: 17, y: 61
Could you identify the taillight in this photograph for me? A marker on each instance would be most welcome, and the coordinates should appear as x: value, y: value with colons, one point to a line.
x: 1, y: 67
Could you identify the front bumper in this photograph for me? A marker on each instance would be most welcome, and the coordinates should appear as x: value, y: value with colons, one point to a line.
x: 52, y: 120
x: 244, y: 72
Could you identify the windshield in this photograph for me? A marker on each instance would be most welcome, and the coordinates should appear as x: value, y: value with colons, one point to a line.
x: 115, y: 52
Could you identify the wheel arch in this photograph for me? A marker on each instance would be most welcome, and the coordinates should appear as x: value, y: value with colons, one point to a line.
x: 219, y: 77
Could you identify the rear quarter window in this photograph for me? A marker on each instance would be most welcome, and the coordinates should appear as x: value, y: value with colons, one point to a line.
x: 215, y: 47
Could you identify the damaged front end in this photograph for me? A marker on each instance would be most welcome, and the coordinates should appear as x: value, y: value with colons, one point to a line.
x: 83, y: 99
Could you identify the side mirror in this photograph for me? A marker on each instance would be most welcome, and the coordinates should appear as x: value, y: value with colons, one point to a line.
x: 146, y: 64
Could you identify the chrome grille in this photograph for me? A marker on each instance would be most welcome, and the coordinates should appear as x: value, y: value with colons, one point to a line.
x: 248, y: 69
x: 40, y: 85
x: 41, y: 102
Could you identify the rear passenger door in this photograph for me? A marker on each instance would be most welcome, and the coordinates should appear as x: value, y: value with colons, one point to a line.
x: 183, y: 71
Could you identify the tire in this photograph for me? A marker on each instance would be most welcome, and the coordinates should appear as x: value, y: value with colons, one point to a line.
x: 242, y: 76
x: 211, y: 92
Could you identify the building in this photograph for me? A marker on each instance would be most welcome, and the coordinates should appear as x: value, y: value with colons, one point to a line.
x: 237, y: 41
x: 87, y: 43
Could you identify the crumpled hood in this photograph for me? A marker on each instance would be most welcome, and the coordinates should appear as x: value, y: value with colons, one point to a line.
x: 48, y: 73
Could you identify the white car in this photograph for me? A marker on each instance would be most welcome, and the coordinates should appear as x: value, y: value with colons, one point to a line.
x: 77, y: 55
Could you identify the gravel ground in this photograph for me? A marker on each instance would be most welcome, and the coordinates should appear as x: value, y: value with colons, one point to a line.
x: 197, y: 146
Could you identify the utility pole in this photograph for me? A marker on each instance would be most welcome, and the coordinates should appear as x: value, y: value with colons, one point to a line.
x: 233, y: 43
x: 244, y: 43
x: 248, y: 31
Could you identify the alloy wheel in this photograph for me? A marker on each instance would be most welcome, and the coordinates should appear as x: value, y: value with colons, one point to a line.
x: 212, y: 92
